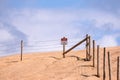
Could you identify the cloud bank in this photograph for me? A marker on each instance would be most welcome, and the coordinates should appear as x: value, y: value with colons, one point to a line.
x: 52, y: 24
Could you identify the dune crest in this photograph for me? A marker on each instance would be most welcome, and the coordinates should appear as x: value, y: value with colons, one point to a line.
x: 51, y: 66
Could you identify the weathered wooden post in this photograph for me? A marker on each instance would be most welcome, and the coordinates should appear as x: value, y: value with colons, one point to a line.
x: 21, y: 50
x: 87, y: 47
x: 104, y: 73
x: 109, y: 66
x: 118, y: 68
x: 93, y: 53
x: 98, y: 74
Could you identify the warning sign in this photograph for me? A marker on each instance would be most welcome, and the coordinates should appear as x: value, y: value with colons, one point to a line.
x: 64, y: 41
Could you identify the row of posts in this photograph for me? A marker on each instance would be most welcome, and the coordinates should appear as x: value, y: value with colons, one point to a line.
x: 88, y: 58
x: 104, y: 62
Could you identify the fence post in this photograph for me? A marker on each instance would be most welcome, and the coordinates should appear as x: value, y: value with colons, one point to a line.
x: 98, y: 74
x: 118, y: 67
x: 93, y: 53
x: 21, y: 50
x: 104, y: 73
x: 109, y: 66
x: 87, y: 47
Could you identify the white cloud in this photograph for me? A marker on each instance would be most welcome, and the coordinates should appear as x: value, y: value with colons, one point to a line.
x: 107, y: 41
x: 41, y: 17
x: 41, y: 25
x: 5, y: 36
x: 100, y: 18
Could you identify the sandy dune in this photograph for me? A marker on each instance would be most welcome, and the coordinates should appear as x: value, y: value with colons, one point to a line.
x: 51, y: 66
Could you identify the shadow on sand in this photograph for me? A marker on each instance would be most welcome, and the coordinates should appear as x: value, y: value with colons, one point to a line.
x: 12, y: 61
x: 89, y: 75
x: 55, y: 58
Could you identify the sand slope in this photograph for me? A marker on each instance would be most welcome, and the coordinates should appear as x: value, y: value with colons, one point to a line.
x: 51, y: 66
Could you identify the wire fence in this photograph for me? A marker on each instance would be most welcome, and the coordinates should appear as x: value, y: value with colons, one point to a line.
x: 36, y: 46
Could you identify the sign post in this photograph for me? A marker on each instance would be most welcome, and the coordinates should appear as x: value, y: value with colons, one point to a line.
x: 63, y: 48
x: 63, y: 42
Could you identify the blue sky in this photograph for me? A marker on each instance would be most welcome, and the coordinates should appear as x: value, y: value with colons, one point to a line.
x: 44, y: 20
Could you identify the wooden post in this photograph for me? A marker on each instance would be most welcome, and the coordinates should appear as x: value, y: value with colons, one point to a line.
x: 104, y: 73
x: 109, y: 66
x: 63, y: 50
x: 93, y: 53
x: 98, y: 74
x: 118, y: 68
x: 87, y: 46
x: 21, y: 49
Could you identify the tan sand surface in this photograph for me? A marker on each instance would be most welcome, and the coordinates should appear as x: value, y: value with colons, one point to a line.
x: 51, y: 66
